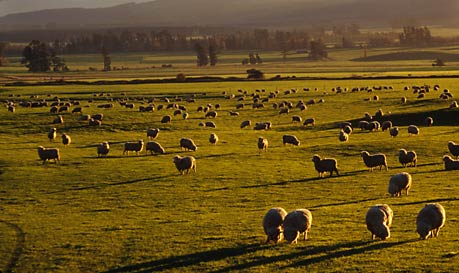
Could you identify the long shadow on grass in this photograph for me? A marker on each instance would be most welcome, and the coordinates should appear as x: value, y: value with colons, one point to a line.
x: 176, y: 262
x: 20, y: 244
x: 428, y: 201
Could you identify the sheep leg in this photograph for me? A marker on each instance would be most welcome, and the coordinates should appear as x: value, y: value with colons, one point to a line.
x: 305, y: 235
x: 337, y: 173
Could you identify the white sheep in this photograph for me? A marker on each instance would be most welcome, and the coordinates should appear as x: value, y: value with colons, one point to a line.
x: 347, y: 129
x: 398, y: 183
x: 296, y: 119
x: 262, y: 144
x: 323, y: 165
x: 152, y: 133
x: 453, y: 148
x: 48, y: 154
x: 94, y: 122
x: 429, y: 220
x: 393, y: 131
x: 66, y: 140
x: 272, y: 224
x: 364, y: 125
x: 210, y: 124
x: 133, y: 146
x: 413, y: 130
x: 297, y: 222
x: 52, y: 134
x: 185, y: 164
x: 211, y: 114
x: 103, y: 149
x: 374, y: 125
x: 428, y: 121
x: 154, y: 147
x: 372, y: 161
x: 58, y: 120
x: 290, y: 139
x: 213, y: 138
x: 309, y: 121
x: 450, y: 163
x: 343, y: 136
x: 379, y: 220
x: 166, y: 119
x: 245, y: 123
x: 386, y: 125
x: 407, y: 157
x: 188, y: 144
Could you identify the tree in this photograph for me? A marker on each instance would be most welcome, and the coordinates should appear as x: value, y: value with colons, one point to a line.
x: 255, y: 74
x: 438, y: 62
x: 2, y: 58
x: 201, y: 54
x: 317, y: 50
x: 258, y: 58
x: 252, y: 58
x: 213, y: 58
x: 36, y: 57
x: 107, y: 59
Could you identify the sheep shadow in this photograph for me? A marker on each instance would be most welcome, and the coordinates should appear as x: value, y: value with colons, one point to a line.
x: 182, y: 261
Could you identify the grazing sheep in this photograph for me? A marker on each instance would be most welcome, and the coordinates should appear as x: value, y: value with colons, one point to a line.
x: 372, y: 161
x: 428, y: 121
x: 66, y: 140
x: 211, y: 114
x: 48, y: 154
x: 103, y: 149
x: 63, y: 109
x: 290, y: 139
x: 404, y: 100
x: 213, y: 139
x: 386, y: 125
x: 413, y: 130
x: 407, y: 157
x: 210, y: 124
x: 152, y: 133
x: 398, y: 183
x: 272, y: 224
x: 58, y: 120
x: 262, y: 126
x: 347, y: 129
x: 154, y: 147
x: 296, y: 119
x: 53, y: 110
x: 309, y: 121
x: 262, y: 144
x: 364, y: 125
x: 77, y: 110
x: 284, y: 111
x: 188, y: 144
x: 52, y: 134
x: 429, y: 220
x: 84, y: 117
x: 323, y: 165
x: 177, y: 112
x: 393, y: 131
x: 166, y: 119
x: 379, y: 220
x: 379, y: 114
x: 98, y: 116
x: 453, y: 149
x: 450, y: 163
x: 343, y: 136
x: 233, y: 113
x: 245, y: 123
x: 184, y: 164
x: 368, y: 117
x: 94, y: 122
x: 133, y: 146
x: 374, y: 125
x: 297, y: 222
x: 453, y: 105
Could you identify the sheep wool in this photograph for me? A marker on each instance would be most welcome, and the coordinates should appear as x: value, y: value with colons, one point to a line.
x: 430, y: 220
x: 262, y: 144
x: 325, y: 165
x: 453, y: 148
x: 398, y: 183
x: 48, y: 154
x: 407, y: 157
x: 450, y: 163
x: 185, y: 164
x: 133, y: 147
x: 103, y: 149
x: 379, y: 220
x: 372, y: 161
x: 154, y: 147
x: 188, y: 144
x: 272, y: 224
x: 295, y: 223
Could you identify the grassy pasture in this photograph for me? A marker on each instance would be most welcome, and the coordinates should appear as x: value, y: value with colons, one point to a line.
x: 137, y: 214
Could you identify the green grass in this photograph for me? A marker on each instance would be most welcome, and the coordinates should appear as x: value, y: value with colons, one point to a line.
x: 137, y: 214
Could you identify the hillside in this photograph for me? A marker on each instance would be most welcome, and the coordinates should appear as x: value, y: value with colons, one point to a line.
x: 253, y: 13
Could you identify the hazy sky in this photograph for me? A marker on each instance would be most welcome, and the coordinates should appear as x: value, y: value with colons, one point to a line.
x: 14, y: 6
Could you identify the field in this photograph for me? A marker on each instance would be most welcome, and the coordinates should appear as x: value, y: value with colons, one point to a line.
x: 136, y: 213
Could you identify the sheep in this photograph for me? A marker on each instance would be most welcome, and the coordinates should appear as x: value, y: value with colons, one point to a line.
x: 323, y: 165
x: 296, y: 119
x: 398, y: 183
x: 261, y: 126
x: 185, y: 164
x: 372, y: 161
x: 386, y: 125
x: 210, y: 124
x: 94, y: 122
x: 211, y: 114
x: 98, y: 116
x: 290, y: 139
x: 262, y: 144
x: 404, y: 100
x: 133, y: 146
x: 309, y: 121
x: 103, y: 149
x: 213, y: 139
x: 272, y: 224
x: 379, y: 220
x: 343, y: 137
x: 453, y: 149
x: 52, y: 134
x: 53, y: 109
x: 66, y: 140
x: 84, y: 117
x: 429, y: 220
x: 379, y: 114
x: 347, y: 129
x: 453, y: 105
x: 154, y: 147
x: 368, y: 117
x: 413, y: 130
x: 393, y: 131
x: 284, y: 111
x: 188, y: 144
x: 152, y: 133
x: 407, y: 157
x: 166, y: 119
x: 177, y: 112
x: 233, y: 113
x: 297, y: 222
x: 245, y: 123
x: 364, y: 125
x: 450, y: 163
x: 374, y: 125
x: 48, y: 154
x: 428, y: 121
x: 58, y: 120
x: 77, y: 110
x: 63, y: 109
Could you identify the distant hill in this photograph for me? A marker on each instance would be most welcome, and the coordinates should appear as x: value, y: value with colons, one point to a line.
x: 249, y: 13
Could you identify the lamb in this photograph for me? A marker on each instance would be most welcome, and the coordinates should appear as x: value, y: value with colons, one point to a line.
x: 185, y: 164
x: 103, y: 149
x: 52, y: 134
x: 429, y: 220
x: 372, y: 161
x: 133, y: 146
x: 154, y: 147
x: 66, y: 140
x: 309, y: 121
x: 364, y: 125
x: 245, y: 123
x: 297, y: 222
x: 379, y: 220
x: 84, y: 117
x: 272, y: 224
x: 453, y: 148
x: 407, y: 157
x: 213, y: 139
x: 386, y: 125
x: 323, y: 165
x: 166, y: 119
x: 188, y: 144
x: 428, y: 121
x: 393, y: 131
x: 48, y: 154
x: 398, y: 183
x: 343, y: 136
x: 450, y: 164
x: 413, y: 130
x: 290, y: 139
x: 262, y: 144
x: 152, y: 133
